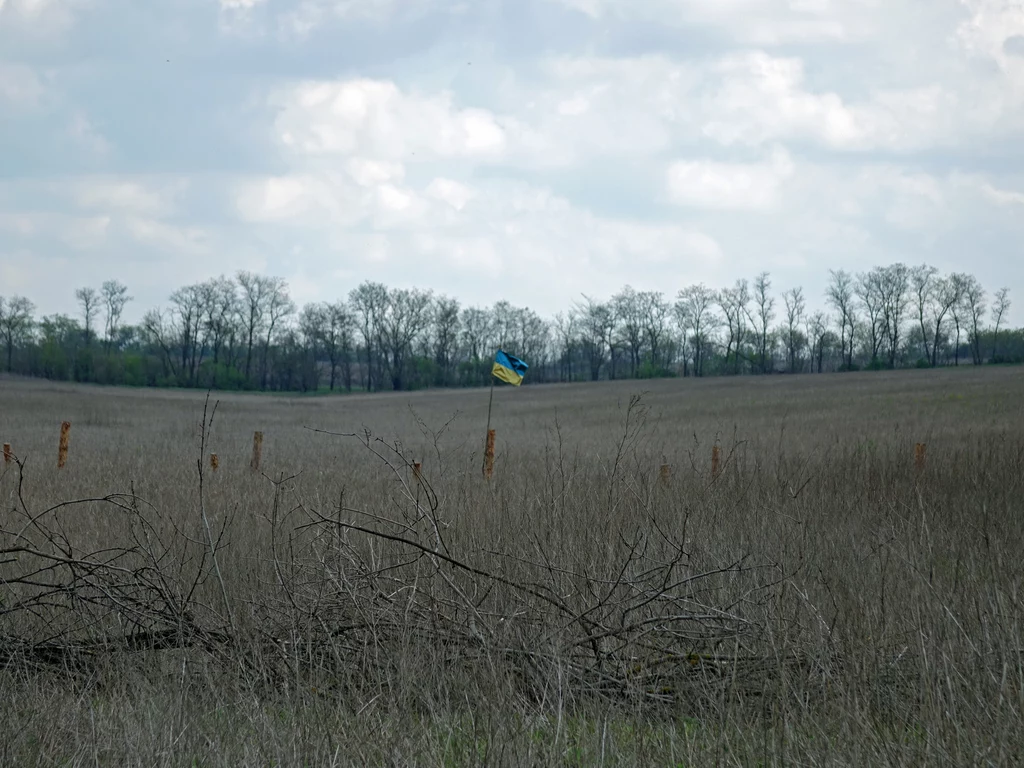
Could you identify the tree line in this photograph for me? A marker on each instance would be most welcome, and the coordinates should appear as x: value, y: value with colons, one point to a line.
x: 245, y: 332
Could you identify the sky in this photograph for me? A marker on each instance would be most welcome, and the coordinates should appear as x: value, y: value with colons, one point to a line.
x: 528, y: 150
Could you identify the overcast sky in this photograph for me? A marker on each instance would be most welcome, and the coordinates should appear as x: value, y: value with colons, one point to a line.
x: 531, y: 150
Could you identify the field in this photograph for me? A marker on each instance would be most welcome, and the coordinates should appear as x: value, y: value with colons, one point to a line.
x: 605, y: 599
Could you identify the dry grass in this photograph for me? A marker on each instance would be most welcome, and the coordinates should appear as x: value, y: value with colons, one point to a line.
x: 822, y: 601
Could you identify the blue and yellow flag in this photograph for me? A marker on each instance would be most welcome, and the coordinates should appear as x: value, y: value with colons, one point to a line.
x: 508, y: 368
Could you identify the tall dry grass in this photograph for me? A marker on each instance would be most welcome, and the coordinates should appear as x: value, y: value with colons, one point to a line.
x: 821, y: 600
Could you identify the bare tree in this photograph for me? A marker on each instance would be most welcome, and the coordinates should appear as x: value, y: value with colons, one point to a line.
x: 475, y: 332
x: 565, y: 328
x: 870, y: 290
x: 597, y: 324
x: 999, y: 309
x: 15, y: 324
x: 187, y: 314
x: 762, y: 317
x: 654, y: 311
x: 220, y: 300
x: 974, y: 308
x: 733, y: 302
x: 695, y: 308
x: 841, y: 296
x: 446, y: 335
x: 278, y: 307
x: 923, y: 279
x: 254, y: 289
x: 630, y: 314
x: 156, y: 332
x: 817, y: 333
x: 406, y: 316
x: 369, y: 300
x: 794, y: 338
x: 115, y: 297
x: 945, y: 297
x: 895, y: 284
x: 89, y: 301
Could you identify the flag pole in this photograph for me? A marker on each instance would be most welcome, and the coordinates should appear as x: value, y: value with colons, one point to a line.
x: 490, y: 405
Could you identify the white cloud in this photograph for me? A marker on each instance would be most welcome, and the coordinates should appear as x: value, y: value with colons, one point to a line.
x: 756, y: 22
x: 81, y: 129
x: 20, y: 86
x: 710, y: 184
x: 376, y: 120
x: 40, y: 18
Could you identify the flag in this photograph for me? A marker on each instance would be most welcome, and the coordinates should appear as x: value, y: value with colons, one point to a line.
x: 508, y: 368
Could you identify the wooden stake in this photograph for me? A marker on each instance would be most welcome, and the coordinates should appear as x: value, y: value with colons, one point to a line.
x: 716, y: 464
x: 8, y: 456
x: 489, y: 455
x: 417, y: 471
x: 257, y: 451
x: 214, y: 462
x: 62, y: 453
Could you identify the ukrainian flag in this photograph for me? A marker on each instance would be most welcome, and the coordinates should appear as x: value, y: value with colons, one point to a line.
x: 508, y: 368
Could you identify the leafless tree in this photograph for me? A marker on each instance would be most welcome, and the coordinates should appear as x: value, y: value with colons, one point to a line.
x: 187, y: 315
x: 406, y: 316
x: 156, y: 332
x: 252, y: 308
x: 733, y: 302
x: 695, y: 309
x: 841, y: 296
x: 923, y: 284
x: 475, y: 331
x: 115, y: 297
x: 369, y: 301
x: 817, y: 333
x: 999, y: 309
x: 974, y: 308
x: 654, y: 311
x: 445, y: 336
x: 15, y: 324
x: 89, y: 302
x: 762, y: 316
x: 278, y: 306
x: 796, y: 306
x: 222, y: 313
x: 895, y: 285
x: 597, y: 324
x: 631, y: 324
x: 946, y: 295
x: 870, y: 291
x: 565, y: 327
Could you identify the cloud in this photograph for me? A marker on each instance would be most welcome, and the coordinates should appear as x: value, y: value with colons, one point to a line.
x: 378, y: 120
x: 710, y: 184
x: 20, y: 86
x: 83, y: 132
x: 589, y: 143
x: 755, y: 22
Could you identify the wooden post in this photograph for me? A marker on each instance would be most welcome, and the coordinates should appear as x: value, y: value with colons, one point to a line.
x: 214, y: 462
x: 257, y: 451
x: 62, y: 452
x: 919, y: 455
x: 417, y: 471
x: 8, y: 456
x: 489, y: 455
x: 716, y: 464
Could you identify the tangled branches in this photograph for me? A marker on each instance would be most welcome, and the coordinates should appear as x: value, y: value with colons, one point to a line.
x: 350, y: 597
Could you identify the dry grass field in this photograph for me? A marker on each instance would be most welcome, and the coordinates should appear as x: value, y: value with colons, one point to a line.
x: 819, y: 601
